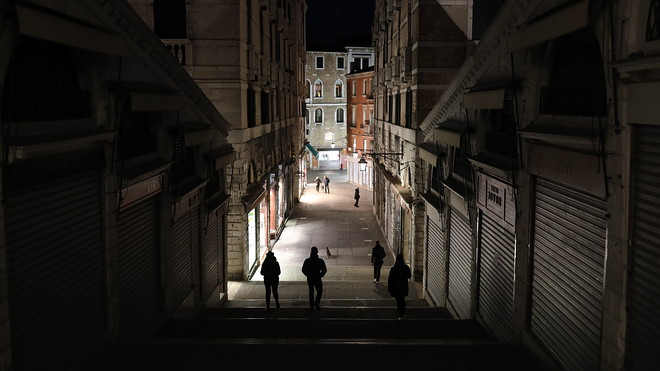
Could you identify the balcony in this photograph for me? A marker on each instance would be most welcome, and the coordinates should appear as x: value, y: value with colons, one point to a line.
x: 181, y: 49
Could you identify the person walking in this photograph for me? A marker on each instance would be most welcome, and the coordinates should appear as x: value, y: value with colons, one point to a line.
x: 270, y: 269
x: 318, y: 183
x: 314, y: 269
x: 377, y: 256
x: 397, y: 284
x: 326, y: 184
x: 356, y: 197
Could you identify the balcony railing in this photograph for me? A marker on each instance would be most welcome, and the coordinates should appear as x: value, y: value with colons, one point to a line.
x: 181, y: 49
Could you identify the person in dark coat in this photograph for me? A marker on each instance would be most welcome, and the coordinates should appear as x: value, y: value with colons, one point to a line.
x: 356, y: 197
x: 270, y: 269
x: 397, y: 284
x: 377, y: 256
x: 318, y: 183
x: 326, y: 184
x: 314, y: 269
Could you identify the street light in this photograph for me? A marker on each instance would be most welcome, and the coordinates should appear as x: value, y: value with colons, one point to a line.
x: 363, y: 164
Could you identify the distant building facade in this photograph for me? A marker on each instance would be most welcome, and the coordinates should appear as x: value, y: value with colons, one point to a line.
x: 326, y: 116
x: 360, y: 107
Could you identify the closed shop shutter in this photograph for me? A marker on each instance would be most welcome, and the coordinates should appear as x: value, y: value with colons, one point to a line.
x: 185, y: 256
x: 496, y: 276
x: 211, y: 257
x: 138, y: 256
x: 568, y: 266
x: 643, y: 320
x: 460, y: 262
x: 56, y: 271
x: 436, y: 263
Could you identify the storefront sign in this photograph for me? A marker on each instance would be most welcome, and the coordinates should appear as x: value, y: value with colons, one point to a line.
x: 138, y: 191
x: 496, y: 197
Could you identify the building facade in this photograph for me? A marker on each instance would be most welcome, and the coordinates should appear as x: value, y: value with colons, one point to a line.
x: 419, y: 47
x: 360, y: 107
x: 538, y: 175
x: 248, y: 56
x: 113, y: 204
x: 326, y: 116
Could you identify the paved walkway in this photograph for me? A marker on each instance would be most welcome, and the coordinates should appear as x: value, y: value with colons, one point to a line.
x: 329, y: 220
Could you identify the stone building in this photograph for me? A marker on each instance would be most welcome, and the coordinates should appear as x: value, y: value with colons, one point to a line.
x: 419, y: 46
x: 248, y: 56
x: 541, y: 196
x: 325, y: 122
x: 112, y: 192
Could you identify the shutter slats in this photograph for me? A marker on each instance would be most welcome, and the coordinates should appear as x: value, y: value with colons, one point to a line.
x: 460, y: 258
x: 436, y: 263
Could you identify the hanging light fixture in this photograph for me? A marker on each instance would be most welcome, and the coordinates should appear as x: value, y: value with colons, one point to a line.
x: 363, y: 164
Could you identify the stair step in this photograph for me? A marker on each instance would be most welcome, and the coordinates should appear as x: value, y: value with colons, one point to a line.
x: 321, y: 328
x: 342, y: 303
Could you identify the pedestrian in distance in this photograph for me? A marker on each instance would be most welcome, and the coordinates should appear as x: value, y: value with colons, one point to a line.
x: 377, y: 256
x: 356, y: 197
x: 326, y: 184
x: 397, y: 284
x: 314, y: 269
x: 318, y: 183
x: 270, y: 269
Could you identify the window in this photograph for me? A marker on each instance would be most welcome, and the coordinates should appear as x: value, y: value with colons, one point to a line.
x: 354, y: 87
x: 318, y: 89
x: 307, y: 113
x: 340, y: 115
x: 339, y: 89
x: 170, y: 19
x: 329, y: 137
x: 319, y: 63
x: 353, y: 109
x: 340, y: 63
x: 318, y: 116
x: 308, y: 89
x: 364, y: 144
x: 355, y: 144
x: 364, y: 114
x: 653, y: 23
x: 364, y: 87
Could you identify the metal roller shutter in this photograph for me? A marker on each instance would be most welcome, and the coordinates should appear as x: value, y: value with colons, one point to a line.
x: 56, y: 272
x: 496, y: 277
x: 643, y: 321
x: 436, y: 263
x: 568, y: 268
x: 138, y: 257
x: 211, y: 259
x: 185, y: 256
x: 460, y: 263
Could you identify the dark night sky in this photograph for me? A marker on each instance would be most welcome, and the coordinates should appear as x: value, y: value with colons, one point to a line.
x: 333, y: 24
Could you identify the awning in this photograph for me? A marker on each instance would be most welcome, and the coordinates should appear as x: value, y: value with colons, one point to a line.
x: 254, y: 194
x: 312, y: 150
x: 484, y: 99
x: 49, y: 27
x: 148, y: 97
x: 429, y: 152
x: 550, y: 25
x: 222, y: 156
x: 195, y: 133
x: 449, y: 132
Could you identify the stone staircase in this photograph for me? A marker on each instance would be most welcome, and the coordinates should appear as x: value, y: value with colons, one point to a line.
x: 343, y: 335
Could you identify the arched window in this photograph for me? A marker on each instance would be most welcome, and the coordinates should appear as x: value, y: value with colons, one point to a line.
x: 318, y: 116
x: 340, y: 115
x: 339, y: 89
x: 308, y: 89
x: 318, y: 89
x: 307, y: 113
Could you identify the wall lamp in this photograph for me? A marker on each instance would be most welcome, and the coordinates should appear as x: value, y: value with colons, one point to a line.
x: 392, y: 155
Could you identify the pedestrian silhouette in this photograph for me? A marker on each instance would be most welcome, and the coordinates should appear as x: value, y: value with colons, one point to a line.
x: 318, y: 183
x: 327, y: 252
x: 270, y: 269
x: 397, y: 284
x: 326, y: 184
x: 356, y: 197
x: 377, y: 256
x: 314, y: 269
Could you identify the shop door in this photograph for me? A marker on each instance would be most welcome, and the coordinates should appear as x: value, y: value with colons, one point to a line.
x: 436, y: 262
x: 185, y: 257
x: 568, y: 268
x: 460, y: 263
x: 213, y: 261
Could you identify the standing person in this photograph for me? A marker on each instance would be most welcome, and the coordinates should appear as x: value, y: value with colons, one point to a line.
x: 270, y: 269
x: 326, y: 182
x: 318, y: 183
x: 314, y: 268
x: 377, y: 256
x: 397, y: 284
x: 356, y: 197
